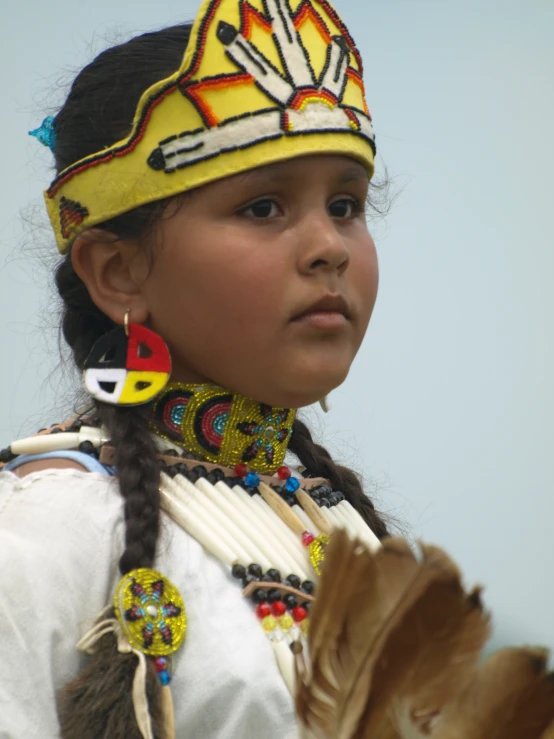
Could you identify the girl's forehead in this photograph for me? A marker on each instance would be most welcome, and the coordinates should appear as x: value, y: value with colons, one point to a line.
x: 335, y: 166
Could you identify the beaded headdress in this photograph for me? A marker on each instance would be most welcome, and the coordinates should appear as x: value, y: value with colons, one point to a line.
x: 260, y: 81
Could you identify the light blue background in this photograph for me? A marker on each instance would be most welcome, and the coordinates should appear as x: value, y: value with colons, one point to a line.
x: 449, y: 407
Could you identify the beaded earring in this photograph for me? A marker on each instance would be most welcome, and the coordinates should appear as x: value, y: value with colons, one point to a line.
x: 127, y: 366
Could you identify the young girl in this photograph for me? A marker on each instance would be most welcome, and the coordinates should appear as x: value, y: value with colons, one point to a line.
x: 161, y: 551
x: 209, y: 205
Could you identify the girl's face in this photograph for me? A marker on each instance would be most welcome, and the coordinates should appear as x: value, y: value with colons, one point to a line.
x: 237, y: 281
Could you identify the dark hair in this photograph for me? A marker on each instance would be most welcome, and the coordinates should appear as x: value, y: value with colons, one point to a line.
x: 99, y: 111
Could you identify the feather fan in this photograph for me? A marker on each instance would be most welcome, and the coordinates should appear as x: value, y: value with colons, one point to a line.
x: 394, y: 650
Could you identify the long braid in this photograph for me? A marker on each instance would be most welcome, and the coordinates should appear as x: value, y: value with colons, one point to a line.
x: 98, y: 702
x: 319, y: 462
x: 139, y: 480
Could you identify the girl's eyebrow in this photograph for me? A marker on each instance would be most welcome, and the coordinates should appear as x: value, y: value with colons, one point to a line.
x: 353, y: 174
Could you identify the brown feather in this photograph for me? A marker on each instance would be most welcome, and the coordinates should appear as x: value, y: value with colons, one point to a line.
x: 318, y: 688
x: 512, y: 697
x: 375, y: 594
x: 430, y: 656
x: 394, y: 645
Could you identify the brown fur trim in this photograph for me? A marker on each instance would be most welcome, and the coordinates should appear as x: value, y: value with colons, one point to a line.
x: 98, y: 703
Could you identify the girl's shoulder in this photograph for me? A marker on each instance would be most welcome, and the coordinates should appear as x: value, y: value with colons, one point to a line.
x: 59, y: 521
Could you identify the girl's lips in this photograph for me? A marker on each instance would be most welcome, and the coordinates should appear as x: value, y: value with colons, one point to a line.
x: 323, y: 320
x: 330, y: 304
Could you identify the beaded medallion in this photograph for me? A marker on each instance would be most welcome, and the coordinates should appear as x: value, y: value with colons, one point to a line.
x: 222, y: 427
x: 151, y: 612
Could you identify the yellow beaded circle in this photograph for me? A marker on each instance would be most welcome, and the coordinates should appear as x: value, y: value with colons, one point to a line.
x: 151, y: 612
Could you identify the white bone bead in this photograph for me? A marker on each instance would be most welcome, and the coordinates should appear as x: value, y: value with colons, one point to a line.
x: 193, y: 526
x: 250, y: 533
x: 213, y: 519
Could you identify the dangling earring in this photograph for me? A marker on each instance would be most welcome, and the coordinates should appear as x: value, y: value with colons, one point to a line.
x: 127, y: 366
x: 325, y: 404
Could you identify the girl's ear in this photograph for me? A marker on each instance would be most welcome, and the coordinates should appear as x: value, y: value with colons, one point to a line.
x: 113, y: 271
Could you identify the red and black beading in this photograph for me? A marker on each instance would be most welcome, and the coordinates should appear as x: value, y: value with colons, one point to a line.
x: 210, y: 420
x: 72, y: 214
x: 169, y: 411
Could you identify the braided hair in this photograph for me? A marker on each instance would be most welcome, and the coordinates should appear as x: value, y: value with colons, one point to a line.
x: 96, y: 114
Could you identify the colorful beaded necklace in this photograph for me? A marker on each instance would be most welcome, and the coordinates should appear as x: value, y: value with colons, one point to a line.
x: 223, y: 427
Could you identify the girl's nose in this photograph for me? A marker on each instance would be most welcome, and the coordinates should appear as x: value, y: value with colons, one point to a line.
x: 321, y: 247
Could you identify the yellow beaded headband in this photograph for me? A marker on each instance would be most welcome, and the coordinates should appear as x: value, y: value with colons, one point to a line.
x: 260, y: 81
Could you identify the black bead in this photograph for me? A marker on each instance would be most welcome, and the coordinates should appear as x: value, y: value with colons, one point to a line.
x: 308, y: 587
x: 307, y: 605
x: 259, y: 596
x: 171, y: 452
x: 255, y: 570
x: 333, y: 499
x: 279, y: 489
x: 156, y: 160
x: 56, y: 431
x: 251, y: 491
x: 326, y: 489
x: 226, y: 33
x: 238, y: 571
x: 75, y: 426
x: 274, y: 574
x: 218, y: 473
x: 293, y: 581
x: 324, y: 503
x: 290, y: 601
x: 340, y: 496
x: 314, y: 494
x: 273, y: 595
x: 290, y: 500
x: 200, y: 470
x: 248, y: 579
x: 6, y: 455
x: 192, y: 475
x: 212, y: 478
x: 87, y: 447
x: 181, y: 469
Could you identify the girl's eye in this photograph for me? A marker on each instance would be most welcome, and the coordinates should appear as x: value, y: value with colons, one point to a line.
x: 345, y: 208
x: 262, y: 209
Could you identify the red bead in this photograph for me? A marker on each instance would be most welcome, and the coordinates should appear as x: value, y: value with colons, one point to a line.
x: 278, y: 608
x: 284, y: 473
x: 263, y: 610
x: 160, y: 664
x: 307, y: 538
x: 241, y: 469
x: 299, y: 614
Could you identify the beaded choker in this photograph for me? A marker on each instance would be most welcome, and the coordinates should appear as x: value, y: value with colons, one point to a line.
x: 223, y: 427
